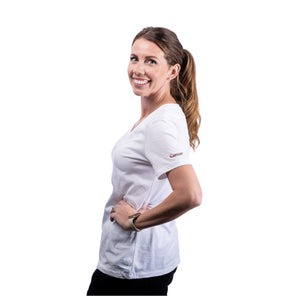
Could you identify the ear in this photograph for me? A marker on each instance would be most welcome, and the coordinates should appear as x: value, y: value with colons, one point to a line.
x: 174, y: 71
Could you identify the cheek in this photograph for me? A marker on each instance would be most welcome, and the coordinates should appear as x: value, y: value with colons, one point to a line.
x: 160, y: 78
x: 129, y: 70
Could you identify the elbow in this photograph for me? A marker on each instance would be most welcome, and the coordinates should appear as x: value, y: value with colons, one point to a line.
x: 195, y: 199
x: 188, y: 199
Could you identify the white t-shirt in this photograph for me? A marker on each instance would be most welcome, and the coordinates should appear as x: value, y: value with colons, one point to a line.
x: 141, y: 159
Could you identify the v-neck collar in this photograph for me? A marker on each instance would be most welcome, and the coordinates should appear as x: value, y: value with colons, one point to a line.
x: 139, y: 123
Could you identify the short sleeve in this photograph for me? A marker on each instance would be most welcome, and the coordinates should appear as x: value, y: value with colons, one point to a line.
x: 167, y: 144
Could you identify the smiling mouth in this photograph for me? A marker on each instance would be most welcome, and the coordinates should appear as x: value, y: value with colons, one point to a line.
x: 141, y: 82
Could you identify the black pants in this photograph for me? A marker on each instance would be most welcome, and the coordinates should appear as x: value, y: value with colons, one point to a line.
x: 103, y: 284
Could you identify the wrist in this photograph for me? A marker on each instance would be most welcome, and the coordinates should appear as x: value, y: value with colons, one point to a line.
x: 132, y: 219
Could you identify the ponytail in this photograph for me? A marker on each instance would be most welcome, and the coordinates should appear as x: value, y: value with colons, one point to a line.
x: 184, y: 91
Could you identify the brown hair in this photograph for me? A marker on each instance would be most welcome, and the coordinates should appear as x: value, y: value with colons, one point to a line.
x: 183, y: 87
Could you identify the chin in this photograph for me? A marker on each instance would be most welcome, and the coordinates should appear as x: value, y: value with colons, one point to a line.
x: 139, y: 92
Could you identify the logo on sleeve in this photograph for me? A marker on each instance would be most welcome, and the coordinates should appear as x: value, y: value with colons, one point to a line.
x: 176, y: 154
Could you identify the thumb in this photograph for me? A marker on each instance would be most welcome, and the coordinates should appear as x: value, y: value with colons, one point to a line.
x: 143, y: 209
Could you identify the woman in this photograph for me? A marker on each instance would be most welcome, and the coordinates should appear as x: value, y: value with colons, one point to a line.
x: 153, y: 180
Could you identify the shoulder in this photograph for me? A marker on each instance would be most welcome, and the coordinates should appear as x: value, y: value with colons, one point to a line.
x: 167, y: 126
x: 169, y: 111
x: 169, y: 115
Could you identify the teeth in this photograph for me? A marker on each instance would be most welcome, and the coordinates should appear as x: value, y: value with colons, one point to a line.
x: 140, y: 81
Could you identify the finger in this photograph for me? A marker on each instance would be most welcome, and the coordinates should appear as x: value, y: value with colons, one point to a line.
x: 122, y: 202
x: 111, y: 217
x: 143, y: 209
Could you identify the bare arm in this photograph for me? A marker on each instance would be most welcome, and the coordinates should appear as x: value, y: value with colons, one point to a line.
x: 186, y: 195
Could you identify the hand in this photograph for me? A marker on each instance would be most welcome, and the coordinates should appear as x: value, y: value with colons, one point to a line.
x: 121, y: 213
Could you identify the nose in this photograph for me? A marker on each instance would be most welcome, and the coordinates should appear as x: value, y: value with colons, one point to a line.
x: 138, y: 69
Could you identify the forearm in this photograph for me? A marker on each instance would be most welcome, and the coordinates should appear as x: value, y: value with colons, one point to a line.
x: 175, y: 205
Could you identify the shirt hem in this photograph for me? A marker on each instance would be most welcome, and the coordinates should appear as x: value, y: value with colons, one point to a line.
x: 126, y: 275
x: 161, y: 174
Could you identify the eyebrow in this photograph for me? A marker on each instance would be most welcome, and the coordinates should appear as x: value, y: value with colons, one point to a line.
x: 151, y: 56
x: 147, y: 57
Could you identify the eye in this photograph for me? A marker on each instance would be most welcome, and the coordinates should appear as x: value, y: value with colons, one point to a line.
x: 133, y: 58
x: 151, y: 61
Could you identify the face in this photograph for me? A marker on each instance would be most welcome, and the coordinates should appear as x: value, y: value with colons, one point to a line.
x: 148, y: 70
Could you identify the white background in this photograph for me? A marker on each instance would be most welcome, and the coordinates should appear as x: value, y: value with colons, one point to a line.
x: 65, y: 100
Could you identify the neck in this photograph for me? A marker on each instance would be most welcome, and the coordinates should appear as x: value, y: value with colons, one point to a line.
x: 150, y: 104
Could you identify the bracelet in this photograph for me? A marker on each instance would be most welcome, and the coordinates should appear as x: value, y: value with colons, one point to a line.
x: 131, y: 220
